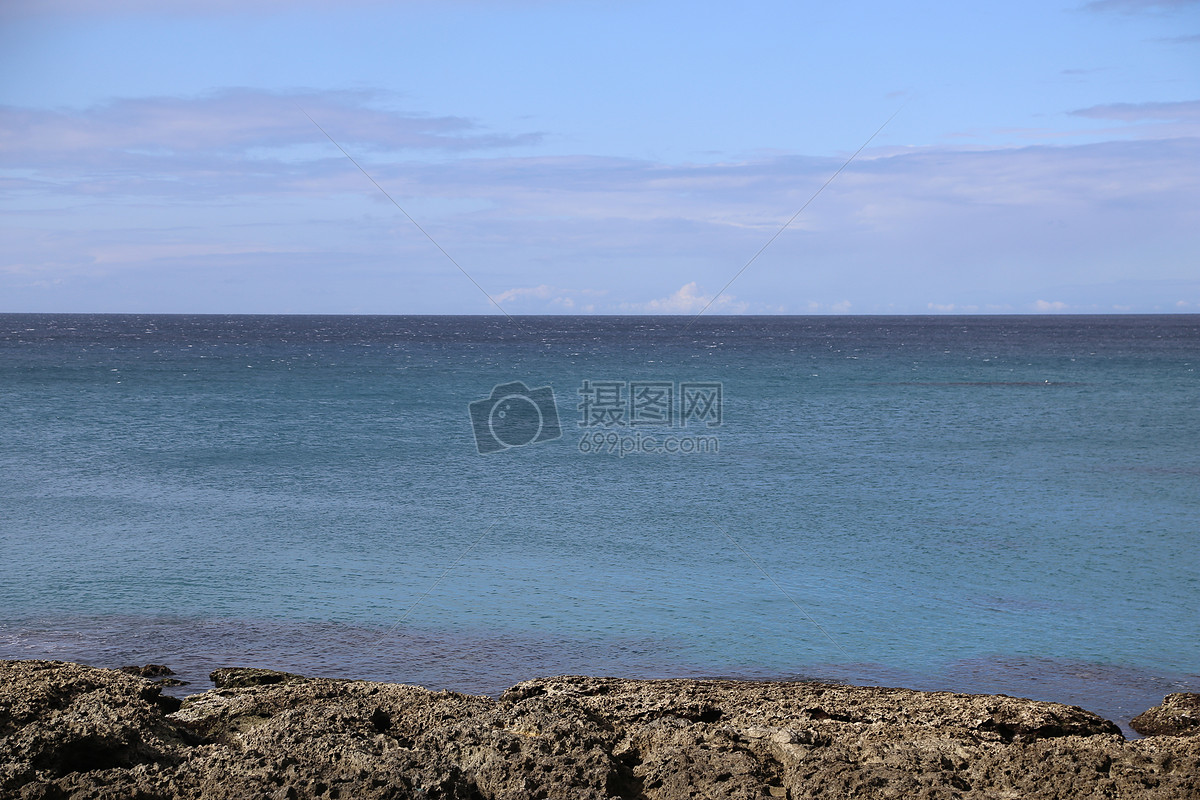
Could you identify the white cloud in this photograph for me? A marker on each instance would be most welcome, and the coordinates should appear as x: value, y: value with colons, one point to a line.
x: 1051, y: 305
x: 688, y: 300
x: 953, y: 308
x: 542, y: 292
x: 548, y: 298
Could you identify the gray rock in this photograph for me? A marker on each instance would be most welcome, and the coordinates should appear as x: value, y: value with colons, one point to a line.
x: 235, y: 677
x: 149, y: 671
x: 68, y: 731
x: 58, y: 720
x: 1179, y: 715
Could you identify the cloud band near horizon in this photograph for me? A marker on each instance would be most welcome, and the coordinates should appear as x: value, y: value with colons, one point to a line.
x: 219, y: 196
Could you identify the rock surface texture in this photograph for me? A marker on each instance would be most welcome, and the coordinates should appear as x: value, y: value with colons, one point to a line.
x: 69, y: 731
x: 1179, y: 715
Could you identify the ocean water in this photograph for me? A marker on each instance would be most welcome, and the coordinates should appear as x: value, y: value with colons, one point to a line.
x: 965, y: 503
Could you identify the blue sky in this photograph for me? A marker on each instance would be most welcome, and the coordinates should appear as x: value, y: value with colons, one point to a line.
x: 587, y: 157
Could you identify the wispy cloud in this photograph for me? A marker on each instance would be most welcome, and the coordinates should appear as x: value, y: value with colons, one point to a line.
x: 546, y: 297
x: 1185, y: 111
x: 240, y: 118
x: 235, y: 140
x: 1138, y: 6
x: 241, y: 185
x: 189, y: 8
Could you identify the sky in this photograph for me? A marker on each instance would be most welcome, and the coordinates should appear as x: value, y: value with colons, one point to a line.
x: 617, y: 157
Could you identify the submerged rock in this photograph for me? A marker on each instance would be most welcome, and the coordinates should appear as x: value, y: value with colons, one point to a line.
x: 170, y: 682
x: 149, y: 671
x: 77, y: 732
x: 1179, y: 715
x: 237, y: 677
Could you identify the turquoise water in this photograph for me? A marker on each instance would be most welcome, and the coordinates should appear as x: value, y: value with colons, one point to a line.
x: 991, y: 504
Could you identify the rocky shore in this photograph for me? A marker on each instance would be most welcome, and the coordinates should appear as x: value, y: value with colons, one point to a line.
x: 70, y: 731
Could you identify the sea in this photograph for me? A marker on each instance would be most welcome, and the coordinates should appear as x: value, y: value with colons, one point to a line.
x: 1005, y: 504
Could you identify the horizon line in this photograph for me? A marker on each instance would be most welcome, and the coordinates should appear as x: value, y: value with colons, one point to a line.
x: 680, y: 315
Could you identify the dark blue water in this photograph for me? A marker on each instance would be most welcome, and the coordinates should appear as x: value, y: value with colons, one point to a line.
x: 984, y: 504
